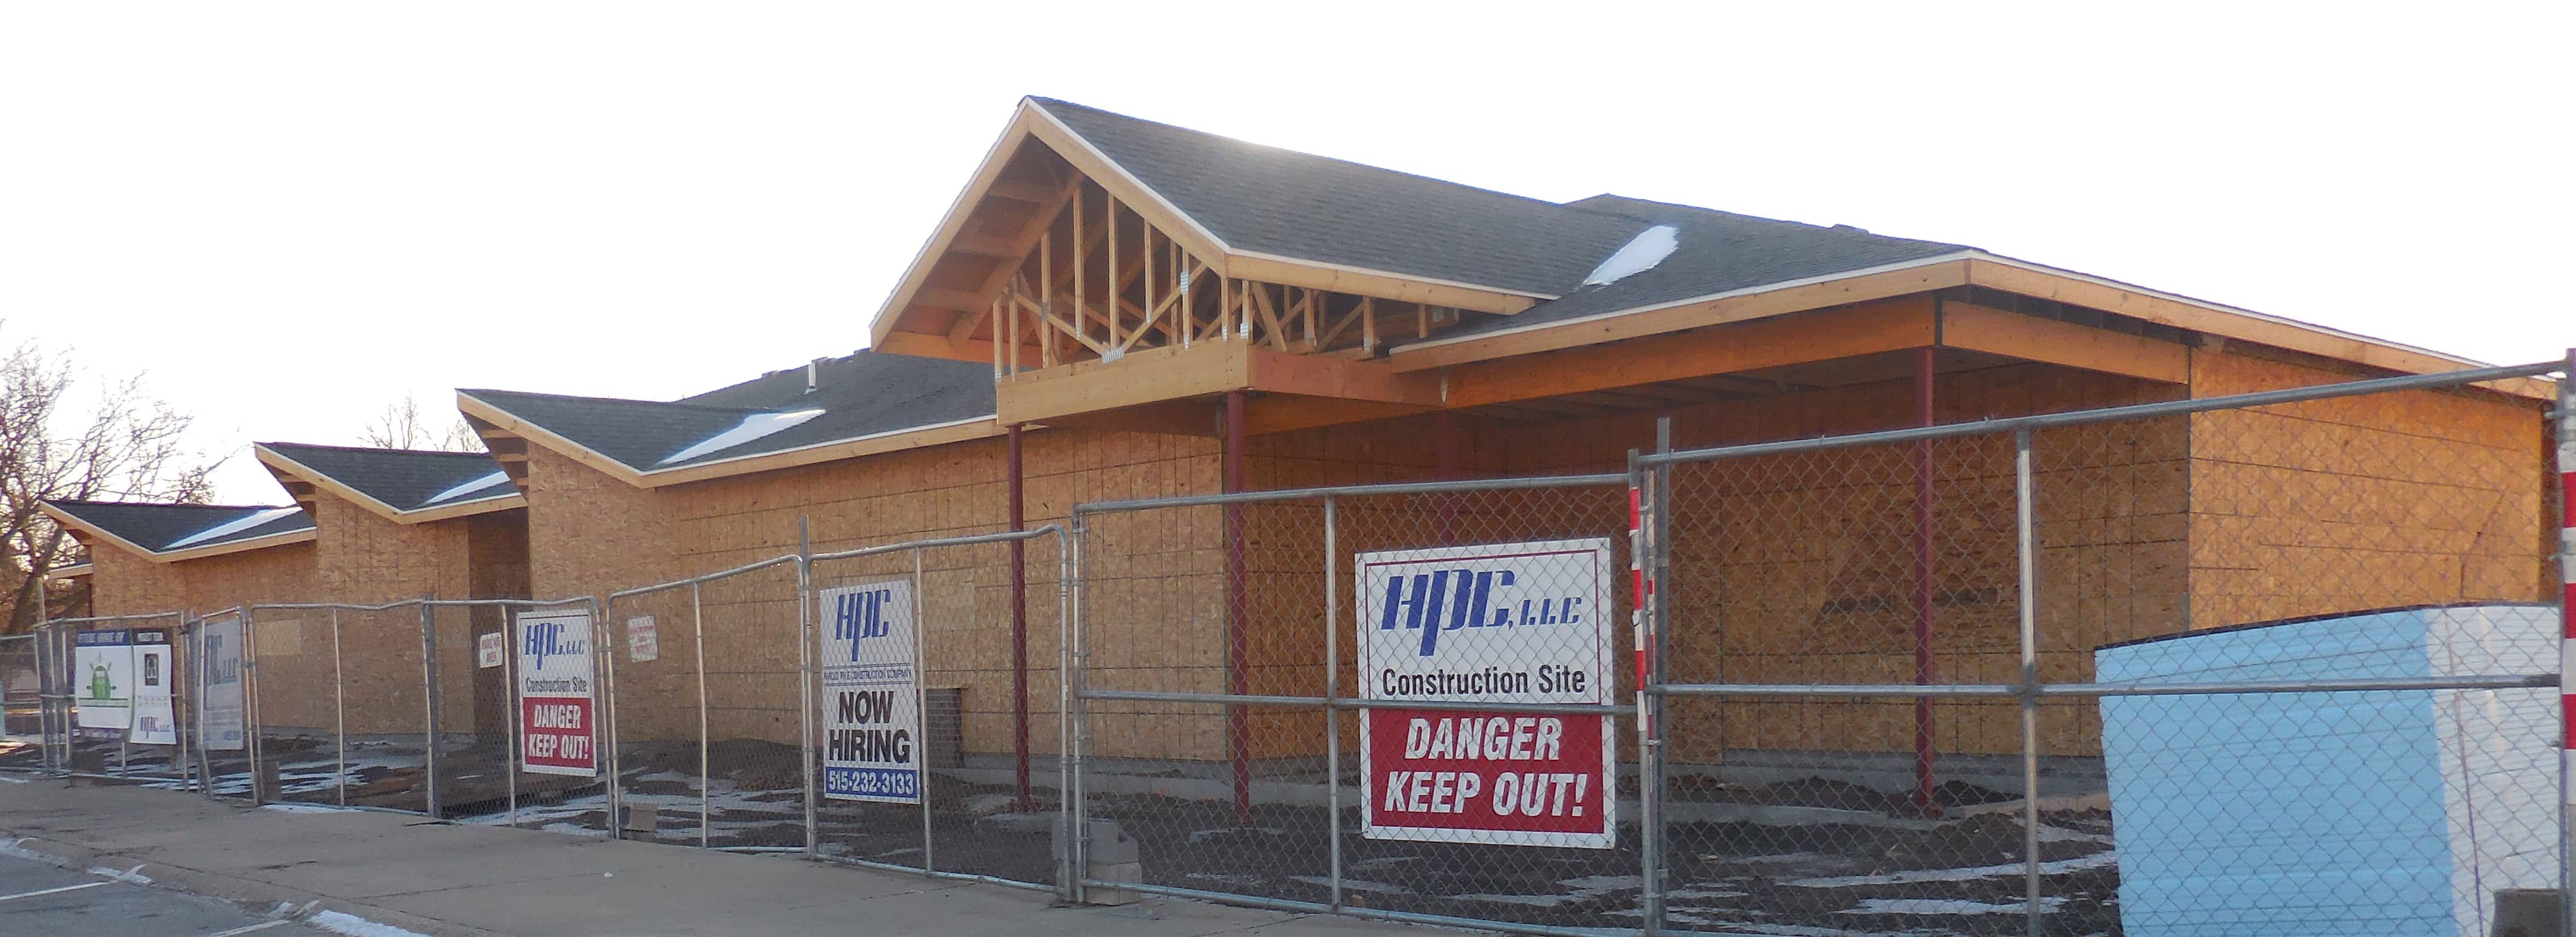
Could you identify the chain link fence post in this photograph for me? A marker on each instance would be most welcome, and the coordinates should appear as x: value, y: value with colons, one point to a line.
x: 2565, y: 425
x: 808, y: 752
x: 2026, y: 553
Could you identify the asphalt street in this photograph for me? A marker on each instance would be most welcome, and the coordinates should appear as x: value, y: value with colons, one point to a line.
x: 40, y: 900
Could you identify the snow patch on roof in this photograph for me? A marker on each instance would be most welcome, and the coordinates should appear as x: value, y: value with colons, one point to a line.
x: 752, y: 427
x: 1639, y: 255
x: 236, y: 526
x: 468, y: 487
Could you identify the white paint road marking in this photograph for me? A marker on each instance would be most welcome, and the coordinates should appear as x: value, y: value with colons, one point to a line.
x: 50, y: 891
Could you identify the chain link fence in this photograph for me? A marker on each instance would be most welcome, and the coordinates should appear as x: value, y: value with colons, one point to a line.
x: 2273, y: 663
x: 1225, y: 702
x: 858, y: 706
x: 24, y: 712
x: 2268, y: 664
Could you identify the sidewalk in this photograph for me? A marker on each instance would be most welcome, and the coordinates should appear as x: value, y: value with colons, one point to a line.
x: 471, y: 881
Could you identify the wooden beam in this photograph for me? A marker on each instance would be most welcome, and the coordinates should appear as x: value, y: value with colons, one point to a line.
x: 1146, y: 376
x: 1313, y: 275
x: 1994, y: 331
x: 985, y: 245
x: 2108, y: 297
x: 1282, y: 414
x: 1018, y: 191
x: 1313, y: 376
x: 1744, y: 346
x: 1585, y: 332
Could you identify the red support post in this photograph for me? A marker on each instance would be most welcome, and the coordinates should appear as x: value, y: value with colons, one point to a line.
x: 1444, y: 455
x: 1923, y: 752
x: 1019, y: 627
x: 1238, y: 647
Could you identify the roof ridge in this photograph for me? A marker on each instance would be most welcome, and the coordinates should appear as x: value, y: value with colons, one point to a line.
x: 656, y: 403
x: 58, y: 502
x: 1451, y: 183
x: 427, y: 452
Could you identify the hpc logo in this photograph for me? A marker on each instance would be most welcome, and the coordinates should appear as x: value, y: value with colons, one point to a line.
x: 1453, y: 599
x: 858, y: 616
x: 548, y: 639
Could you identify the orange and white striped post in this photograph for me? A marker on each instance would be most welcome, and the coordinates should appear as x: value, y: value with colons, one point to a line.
x: 2565, y: 425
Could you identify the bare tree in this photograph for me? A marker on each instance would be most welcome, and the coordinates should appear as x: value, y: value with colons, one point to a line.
x: 127, y: 446
x: 400, y: 426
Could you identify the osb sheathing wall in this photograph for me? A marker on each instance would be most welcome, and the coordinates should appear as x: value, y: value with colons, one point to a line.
x: 363, y: 558
x: 1786, y: 569
x: 590, y: 533
x: 2421, y: 497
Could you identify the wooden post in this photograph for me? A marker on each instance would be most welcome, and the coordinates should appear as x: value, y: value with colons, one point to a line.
x: 1923, y: 751
x: 1046, y: 298
x: 1109, y: 282
x: 1081, y: 323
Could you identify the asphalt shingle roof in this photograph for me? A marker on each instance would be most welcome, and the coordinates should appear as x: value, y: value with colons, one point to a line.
x: 864, y: 394
x: 404, y: 478
x: 1718, y: 252
x: 156, y: 527
x: 1274, y: 201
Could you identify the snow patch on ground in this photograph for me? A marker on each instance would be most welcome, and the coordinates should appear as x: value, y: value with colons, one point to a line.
x: 17, y: 850
x: 304, y: 808
x: 355, y: 926
x: 1971, y: 873
x: 1583, y: 889
x: 1946, y: 906
x: 134, y: 875
x: 1353, y: 884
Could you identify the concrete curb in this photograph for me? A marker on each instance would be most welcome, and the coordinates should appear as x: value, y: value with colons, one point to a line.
x: 256, y: 897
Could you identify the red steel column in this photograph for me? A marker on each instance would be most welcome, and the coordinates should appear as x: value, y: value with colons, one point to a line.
x: 1019, y: 628
x: 1444, y: 454
x: 1923, y: 755
x: 1238, y: 649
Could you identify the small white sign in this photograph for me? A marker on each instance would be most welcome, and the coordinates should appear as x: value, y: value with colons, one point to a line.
x: 489, y: 649
x: 643, y: 643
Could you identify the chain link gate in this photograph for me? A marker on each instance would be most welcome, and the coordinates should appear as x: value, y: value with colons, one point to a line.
x: 150, y: 677
x: 1219, y: 718
x: 23, y: 719
x: 720, y: 709
x: 2124, y: 671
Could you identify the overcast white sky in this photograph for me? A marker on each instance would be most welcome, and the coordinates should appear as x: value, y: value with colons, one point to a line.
x: 291, y: 214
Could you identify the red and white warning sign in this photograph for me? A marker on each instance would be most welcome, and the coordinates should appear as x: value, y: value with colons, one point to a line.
x: 557, y: 734
x: 1514, y: 623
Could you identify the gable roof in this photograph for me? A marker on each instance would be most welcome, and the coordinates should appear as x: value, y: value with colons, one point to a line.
x: 868, y: 395
x: 172, y: 532
x: 1299, y: 206
x: 405, y: 485
x: 1274, y: 215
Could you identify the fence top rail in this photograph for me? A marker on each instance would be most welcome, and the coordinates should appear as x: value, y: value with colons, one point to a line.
x: 696, y: 580
x: 1357, y: 491
x: 1042, y: 530
x: 2142, y: 688
x: 108, y: 619
x: 2111, y: 414
x: 404, y: 603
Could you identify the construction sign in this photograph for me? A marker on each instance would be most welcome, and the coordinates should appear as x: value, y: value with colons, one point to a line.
x: 156, y: 717
x: 1516, y: 623
x: 558, y: 733
x: 871, y: 693
x: 103, y: 682
x: 220, y: 710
